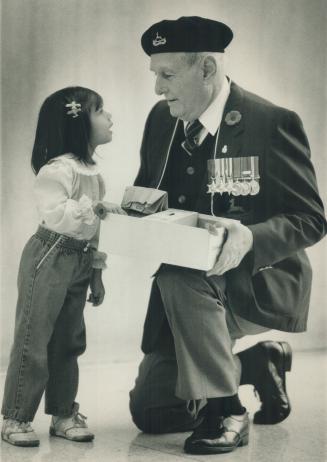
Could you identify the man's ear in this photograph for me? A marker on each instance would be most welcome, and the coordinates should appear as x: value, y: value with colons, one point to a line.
x: 209, y: 67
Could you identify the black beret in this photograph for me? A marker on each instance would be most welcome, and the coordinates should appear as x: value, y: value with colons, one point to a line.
x: 186, y: 34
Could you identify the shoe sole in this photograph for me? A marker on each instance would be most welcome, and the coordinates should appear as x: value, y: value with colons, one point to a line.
x: 81, y: 439
x: 207, y: 450
x: 22, y: 444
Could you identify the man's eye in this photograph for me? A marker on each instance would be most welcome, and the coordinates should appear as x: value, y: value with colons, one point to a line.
x: 167, y: 76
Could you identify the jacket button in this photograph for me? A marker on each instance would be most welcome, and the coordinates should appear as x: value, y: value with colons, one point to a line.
x: 190, y: 170
x: 181, y: 199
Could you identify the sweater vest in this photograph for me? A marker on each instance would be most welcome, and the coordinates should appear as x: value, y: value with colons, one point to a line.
x: 185, y: 173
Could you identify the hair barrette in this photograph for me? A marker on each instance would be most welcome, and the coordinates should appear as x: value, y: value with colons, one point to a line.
x: 75, y: 108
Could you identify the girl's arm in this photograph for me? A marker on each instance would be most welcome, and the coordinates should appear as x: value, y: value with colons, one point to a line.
x: 97, y: 288
x: 57, y: 210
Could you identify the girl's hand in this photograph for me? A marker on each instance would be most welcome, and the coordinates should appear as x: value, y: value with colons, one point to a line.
x: 97, y: 288
x: 102, y: 208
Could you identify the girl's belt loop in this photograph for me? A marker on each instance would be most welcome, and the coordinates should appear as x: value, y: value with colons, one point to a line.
x: 86, y: 248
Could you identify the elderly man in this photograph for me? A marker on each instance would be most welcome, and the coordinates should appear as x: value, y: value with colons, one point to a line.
x: 218, y: 149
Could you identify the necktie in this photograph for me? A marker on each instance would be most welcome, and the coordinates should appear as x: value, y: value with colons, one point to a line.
x: 192, y: 135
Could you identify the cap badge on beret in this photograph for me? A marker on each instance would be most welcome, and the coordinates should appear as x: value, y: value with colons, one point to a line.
x: 159, y: 40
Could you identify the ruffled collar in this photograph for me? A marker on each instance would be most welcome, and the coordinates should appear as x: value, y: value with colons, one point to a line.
x: 78, y: 166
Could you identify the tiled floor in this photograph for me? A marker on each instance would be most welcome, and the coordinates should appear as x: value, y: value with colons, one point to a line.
x: 104, y: 398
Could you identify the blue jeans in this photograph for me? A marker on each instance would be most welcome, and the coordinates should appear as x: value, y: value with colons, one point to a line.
x: 53, y: 279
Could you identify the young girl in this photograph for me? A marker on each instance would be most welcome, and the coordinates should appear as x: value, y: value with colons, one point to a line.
x: 58, y: 264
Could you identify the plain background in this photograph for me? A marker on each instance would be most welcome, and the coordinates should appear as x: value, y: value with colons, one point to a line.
x: 278, y: 52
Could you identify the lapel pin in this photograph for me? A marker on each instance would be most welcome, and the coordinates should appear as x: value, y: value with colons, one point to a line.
x: 233, y: 117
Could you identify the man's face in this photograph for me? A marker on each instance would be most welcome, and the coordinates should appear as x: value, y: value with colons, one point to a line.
x: 182, y: 85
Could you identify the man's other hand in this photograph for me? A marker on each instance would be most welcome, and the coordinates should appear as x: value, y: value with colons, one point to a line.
x: 238, y: 243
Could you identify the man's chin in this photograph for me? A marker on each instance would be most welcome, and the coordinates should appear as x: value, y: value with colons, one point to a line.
x: 174, y: 112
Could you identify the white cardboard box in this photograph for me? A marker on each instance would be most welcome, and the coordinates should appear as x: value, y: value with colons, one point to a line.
x: 177, y: 237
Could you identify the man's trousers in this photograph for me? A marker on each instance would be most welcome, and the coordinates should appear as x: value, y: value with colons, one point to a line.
x: 197, y: 361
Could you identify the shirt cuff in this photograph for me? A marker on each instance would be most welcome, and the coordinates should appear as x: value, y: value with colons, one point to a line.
x: 99, y: 260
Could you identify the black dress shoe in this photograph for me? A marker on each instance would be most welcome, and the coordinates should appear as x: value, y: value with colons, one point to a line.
x: 227, y: 434
x: 265, y: 366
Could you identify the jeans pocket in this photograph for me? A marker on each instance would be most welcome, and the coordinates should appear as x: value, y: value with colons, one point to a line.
x: 47, y: 254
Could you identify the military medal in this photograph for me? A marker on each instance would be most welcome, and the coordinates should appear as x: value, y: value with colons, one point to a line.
x: 237, y: 187
x: 212, y: 186
x: 229, y: 186
x: 249, y: 175
x: 229, y: 175
x: 245, y: 188
x: 245, y: 176
x: 234, y: 175
x: 221, y: 187
x: 236, y: 191
x: 216, y: 178
x: 222, y: 172
x: 254, y: 183
x: 255, y: 187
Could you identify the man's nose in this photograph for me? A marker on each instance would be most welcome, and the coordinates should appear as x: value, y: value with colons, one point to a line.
x: 159, y: 86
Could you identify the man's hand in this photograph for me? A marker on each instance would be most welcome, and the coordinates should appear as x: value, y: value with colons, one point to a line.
x: 101, y: 209
x: 239, y: 242
x: 97, y: 288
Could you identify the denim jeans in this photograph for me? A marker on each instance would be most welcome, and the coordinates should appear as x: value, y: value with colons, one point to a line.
x: 49, y: 335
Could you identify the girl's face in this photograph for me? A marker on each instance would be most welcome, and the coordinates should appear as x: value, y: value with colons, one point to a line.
x: 100, y: 127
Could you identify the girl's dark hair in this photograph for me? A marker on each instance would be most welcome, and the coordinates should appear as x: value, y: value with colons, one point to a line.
x: 58, y: 132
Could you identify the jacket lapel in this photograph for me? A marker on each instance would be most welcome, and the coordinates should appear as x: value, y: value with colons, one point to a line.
x: 162, y: 147
x: 230, y: 135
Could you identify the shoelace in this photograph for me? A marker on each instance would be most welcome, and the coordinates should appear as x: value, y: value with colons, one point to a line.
x: 206, y: 427
x: 26, y: 426
x: 79, y: 418
x: 23, y: 426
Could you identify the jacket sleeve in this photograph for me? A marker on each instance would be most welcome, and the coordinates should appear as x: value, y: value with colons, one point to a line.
x: 142, y: 178
x: 297, y: 220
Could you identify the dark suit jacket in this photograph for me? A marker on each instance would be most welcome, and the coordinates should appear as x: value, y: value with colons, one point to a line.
x: 271, y: 286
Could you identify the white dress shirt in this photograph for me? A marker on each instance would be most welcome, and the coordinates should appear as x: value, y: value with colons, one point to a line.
x: 211, y: 117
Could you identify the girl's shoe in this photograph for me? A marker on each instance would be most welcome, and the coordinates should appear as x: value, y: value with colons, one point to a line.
x: 19, y: 433
x: 72, y: 428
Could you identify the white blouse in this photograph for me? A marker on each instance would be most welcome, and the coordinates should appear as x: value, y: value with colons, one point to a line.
x: 65, y: 190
